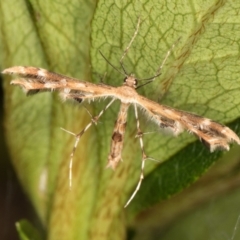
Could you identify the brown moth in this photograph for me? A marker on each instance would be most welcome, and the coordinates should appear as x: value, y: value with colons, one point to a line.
x: 214, y: 135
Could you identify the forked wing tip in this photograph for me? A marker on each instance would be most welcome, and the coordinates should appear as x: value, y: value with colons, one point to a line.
x: 5, y: 71
x: 8, y: 70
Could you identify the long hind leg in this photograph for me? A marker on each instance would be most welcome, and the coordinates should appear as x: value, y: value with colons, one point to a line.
x: 144, y: 157
x: 78, y: 136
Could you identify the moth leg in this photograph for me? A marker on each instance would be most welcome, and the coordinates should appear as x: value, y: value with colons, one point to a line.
x: 130, y: 43
x: 78, y: 136
x: 144, y: 157
x: 165, y: 59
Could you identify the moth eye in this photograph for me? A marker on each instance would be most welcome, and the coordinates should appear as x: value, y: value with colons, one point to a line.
x: 136, y: 82
x: 125, y: 79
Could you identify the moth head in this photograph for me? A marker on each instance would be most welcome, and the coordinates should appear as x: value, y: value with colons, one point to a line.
x: 130, y: 81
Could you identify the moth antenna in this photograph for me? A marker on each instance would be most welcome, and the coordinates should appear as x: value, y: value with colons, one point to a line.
x: 112, y: 64
x: 149, y: 80
x: 158, y: 73
x: 124, y: 69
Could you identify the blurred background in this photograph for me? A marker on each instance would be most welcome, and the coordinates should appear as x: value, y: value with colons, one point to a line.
x: 14, y: 204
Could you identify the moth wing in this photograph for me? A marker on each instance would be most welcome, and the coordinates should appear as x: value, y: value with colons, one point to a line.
x: 34, y: 80
x: 214, y: 135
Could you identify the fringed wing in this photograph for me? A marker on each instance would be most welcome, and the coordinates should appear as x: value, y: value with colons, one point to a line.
x: 214, y: 135
x: 34, y: 80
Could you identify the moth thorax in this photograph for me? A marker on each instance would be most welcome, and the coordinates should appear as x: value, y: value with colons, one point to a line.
x: 130, y: 81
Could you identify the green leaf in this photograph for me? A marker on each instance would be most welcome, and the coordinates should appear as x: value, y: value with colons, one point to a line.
x: 200, y: 75
x: 26, y: 231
